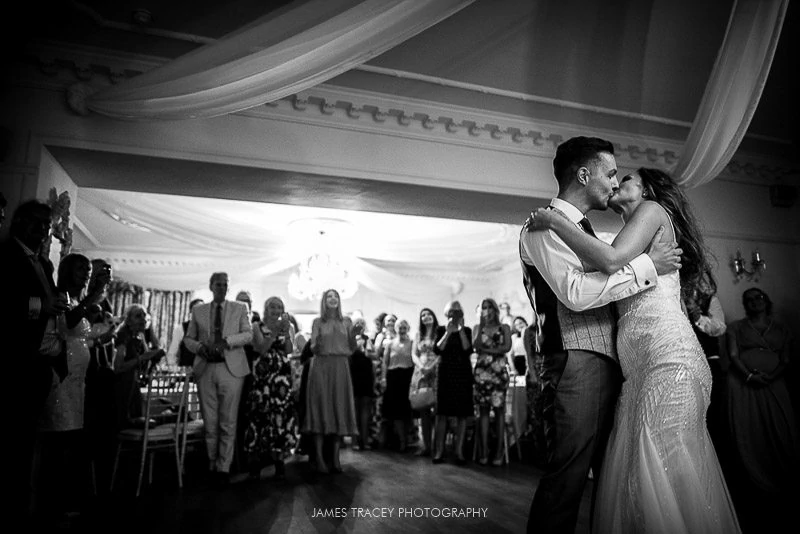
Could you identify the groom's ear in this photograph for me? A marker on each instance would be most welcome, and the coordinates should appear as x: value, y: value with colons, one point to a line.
x: 583, y: 175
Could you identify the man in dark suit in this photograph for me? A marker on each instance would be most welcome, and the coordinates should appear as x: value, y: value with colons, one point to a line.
x: 580, y: 375
x: 31, y: 301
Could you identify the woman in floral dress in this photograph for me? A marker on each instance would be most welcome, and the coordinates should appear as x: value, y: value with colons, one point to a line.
x: 271, y: 431
x: 491, y: 340
x: 378, y: 430
x: 425, y: 363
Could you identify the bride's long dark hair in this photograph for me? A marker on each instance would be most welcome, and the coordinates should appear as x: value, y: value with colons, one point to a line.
x: 696, y: 259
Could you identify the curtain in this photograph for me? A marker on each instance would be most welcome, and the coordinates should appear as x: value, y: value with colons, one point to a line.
x: 121, y: 294
x: 166, y: 308
x: 733, y: 90
x: 309, y: 43
x: 234, y: 237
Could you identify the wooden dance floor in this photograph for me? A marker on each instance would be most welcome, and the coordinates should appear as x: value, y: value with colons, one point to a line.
x: 379, y: 491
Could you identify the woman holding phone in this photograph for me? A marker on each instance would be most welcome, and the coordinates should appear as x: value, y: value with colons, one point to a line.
x: 454, y: 381
x: 271, y: 420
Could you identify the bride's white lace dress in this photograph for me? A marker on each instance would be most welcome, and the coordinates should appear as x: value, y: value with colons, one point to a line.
x: 661, y: 473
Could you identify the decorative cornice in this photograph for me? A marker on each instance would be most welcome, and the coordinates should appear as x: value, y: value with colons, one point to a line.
x: 329, y: 105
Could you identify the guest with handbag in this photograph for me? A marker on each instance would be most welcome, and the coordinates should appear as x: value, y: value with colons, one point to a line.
x: 422, y: 393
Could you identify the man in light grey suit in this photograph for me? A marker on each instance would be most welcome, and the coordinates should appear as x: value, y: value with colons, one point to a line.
x: 217, y: 334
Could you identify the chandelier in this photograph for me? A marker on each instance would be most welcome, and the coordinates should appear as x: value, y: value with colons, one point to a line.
x: 318, y: 273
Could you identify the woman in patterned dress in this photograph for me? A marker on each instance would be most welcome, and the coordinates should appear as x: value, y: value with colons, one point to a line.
x: 378, y: 430
x: 492, y: 340
x: 271, y: 431
x: 425, y: 363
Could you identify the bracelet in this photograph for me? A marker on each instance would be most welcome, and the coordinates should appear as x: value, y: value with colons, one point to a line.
x: 748, y: 378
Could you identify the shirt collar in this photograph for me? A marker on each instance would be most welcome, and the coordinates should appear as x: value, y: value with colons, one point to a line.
x: 572, y: 213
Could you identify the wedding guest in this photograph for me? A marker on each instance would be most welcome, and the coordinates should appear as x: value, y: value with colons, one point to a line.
x: 64, y: 462
x: 300, y: 355
x: 102, y: 275
x: 763, y: 425
x: 378, y: 323
x: 518, y: 355
x: 399, y: 366
x: 240, y: 457
x: 708, y: 322
x: 330, y: 409
x: 217, y: 334
x: 363, y: 375
x: 100, y: 412
x: 386, y: 335
x: 379, y: 427
x: 425, y: 363
x: 491, y: 341
x: 454, y: 381
x: 132, y: 353
x: 506, y: 317
x: 178, y: 355
x: 270, y: 414
x: 31, y: 303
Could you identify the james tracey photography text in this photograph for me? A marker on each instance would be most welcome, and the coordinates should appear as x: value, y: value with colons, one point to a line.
x: 399, y: 512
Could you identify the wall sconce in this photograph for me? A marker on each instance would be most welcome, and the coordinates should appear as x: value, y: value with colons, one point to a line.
x: 757, y: 265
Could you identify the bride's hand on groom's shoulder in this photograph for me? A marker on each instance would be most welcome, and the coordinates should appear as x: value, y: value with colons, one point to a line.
x: 541, y: 219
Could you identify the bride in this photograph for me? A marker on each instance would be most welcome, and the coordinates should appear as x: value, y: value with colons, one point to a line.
x: 661, y: 473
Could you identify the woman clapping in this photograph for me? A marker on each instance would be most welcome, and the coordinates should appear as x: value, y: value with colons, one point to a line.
x: 270, y: 412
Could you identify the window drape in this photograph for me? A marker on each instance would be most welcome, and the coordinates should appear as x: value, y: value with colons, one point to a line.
x: 733, y: 90
x: 271, y: 59
x: 166, y: 308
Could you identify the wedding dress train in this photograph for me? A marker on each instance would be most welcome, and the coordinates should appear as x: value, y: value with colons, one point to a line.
x: 661, y: 473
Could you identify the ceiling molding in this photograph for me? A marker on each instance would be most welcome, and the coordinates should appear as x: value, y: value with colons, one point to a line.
x: 62, y: 64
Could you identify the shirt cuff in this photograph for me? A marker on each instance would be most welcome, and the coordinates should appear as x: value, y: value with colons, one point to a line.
x: 644, y: 270
x: 34, y: 308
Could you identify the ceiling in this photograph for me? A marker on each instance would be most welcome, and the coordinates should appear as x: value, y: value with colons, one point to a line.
x: 639, y: 57
x: 651, y: 57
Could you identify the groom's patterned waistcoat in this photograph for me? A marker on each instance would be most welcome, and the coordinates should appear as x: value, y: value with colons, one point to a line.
x: 563, y: 329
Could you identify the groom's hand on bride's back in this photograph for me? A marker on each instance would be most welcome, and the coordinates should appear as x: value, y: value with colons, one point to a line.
x: 666, y: 256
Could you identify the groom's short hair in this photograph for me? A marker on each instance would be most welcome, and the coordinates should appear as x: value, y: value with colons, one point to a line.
x: 575, y: 153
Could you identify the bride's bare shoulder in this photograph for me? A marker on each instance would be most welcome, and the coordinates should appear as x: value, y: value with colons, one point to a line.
x: 652, y: 210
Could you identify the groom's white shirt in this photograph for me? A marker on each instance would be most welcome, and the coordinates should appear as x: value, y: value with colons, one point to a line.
x: 564, y: 273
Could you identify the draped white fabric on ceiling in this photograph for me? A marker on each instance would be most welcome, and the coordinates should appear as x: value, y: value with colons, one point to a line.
x: 733, y: 90
x: 278, y: 56
x: 174, y: 242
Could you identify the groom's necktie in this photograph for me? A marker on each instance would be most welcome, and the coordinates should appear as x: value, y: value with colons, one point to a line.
x: 587, y: 226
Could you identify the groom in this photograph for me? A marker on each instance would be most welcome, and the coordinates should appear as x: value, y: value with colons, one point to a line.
x: 581, y: 377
